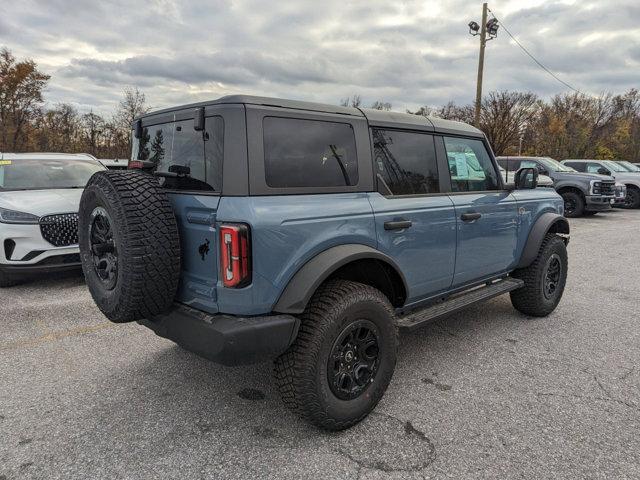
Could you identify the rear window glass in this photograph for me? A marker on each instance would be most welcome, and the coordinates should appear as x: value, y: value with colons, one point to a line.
x: 177, y: 143
x: 309, y: 153
x: 405, y: 162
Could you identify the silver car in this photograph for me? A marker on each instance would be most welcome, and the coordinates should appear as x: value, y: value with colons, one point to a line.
x: 39, y: 198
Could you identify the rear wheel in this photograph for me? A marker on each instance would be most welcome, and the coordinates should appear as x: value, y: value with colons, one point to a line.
x: 343, y: 358
x: 544, y: 279
x: 129, y: 245
x: 573, y: 204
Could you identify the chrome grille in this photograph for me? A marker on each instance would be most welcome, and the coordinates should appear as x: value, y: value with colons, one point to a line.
x: 608, y: 187
x: 60, y: 230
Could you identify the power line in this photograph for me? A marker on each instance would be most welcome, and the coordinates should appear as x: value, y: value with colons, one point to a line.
x: 540, y: 64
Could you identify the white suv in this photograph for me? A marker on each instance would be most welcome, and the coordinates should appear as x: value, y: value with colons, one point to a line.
x: 39, y: 198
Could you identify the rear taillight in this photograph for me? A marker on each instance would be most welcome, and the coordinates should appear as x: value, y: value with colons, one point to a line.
x: 140, y: 165
x: 235, y: 255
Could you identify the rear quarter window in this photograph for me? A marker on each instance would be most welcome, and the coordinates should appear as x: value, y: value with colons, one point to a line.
x: 309, y: 153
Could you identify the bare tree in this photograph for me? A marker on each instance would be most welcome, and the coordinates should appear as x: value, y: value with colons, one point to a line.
x: 424, y: 111
x: 92, y: 128
x: 133, y: 105
x: 505, y: 116
x: 354, y: 101
x: 381, y: 105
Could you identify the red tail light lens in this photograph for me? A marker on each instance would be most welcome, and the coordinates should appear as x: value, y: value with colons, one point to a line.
x: 140, y: 165
x: 235, y: 255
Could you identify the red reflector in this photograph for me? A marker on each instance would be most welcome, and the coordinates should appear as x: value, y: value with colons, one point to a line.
x: 235, y: 255
x: 136, y: 164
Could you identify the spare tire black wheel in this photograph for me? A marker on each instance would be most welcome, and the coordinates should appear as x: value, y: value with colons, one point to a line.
x: 129, y: 245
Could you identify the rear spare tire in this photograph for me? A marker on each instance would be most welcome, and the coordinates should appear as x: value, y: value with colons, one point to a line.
x: 129, y: 245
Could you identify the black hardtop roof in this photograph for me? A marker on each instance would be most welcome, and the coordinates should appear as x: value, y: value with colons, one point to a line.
x: 374, y: 117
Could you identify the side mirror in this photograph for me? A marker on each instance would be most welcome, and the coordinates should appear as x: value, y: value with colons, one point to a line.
x: 603, y: 171
x: 526, y: 178
x: 198, y: 120
x: 137, y: 128
x: 542, y: 171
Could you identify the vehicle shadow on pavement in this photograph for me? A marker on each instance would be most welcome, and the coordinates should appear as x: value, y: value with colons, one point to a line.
x: 52, y: 280
x: 215, y: 407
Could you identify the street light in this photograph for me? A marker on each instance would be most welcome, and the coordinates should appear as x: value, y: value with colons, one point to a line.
x: 488, y: 30
x: 492, y: 28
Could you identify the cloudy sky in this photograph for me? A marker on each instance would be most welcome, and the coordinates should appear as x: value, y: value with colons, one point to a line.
x: 408, y: 53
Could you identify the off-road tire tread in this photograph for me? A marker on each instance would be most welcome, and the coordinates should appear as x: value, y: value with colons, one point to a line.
x: 636, y: 197
x: 294, y: 384
x: 527, y: 298
x: 150, y: 256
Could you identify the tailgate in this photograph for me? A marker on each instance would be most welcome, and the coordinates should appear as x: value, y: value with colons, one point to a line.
x: 196, y: 215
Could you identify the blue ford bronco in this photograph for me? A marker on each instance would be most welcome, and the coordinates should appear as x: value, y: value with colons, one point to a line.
x: 253, y: 228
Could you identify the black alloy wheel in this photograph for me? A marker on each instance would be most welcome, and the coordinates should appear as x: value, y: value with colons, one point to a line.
x: 552, y: 276
x: 569, y: 206
x: 354, y: 360
x: 103, y: 249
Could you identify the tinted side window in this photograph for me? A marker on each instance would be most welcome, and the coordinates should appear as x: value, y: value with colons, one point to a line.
x: 502, y: 162
x: 579, y: 166
x: 514, y: 164
x: 470, y: 166
x: 405, y: 162
x: 530, y: 164
x: 593, y: 167
x: 309, y: 153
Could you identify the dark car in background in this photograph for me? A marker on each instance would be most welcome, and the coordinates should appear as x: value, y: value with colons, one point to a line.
x: 608, y: 167
x: 583, y: 193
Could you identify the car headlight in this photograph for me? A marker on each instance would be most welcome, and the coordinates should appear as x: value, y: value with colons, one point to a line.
x: 11, y: 216
x: 596, y: 187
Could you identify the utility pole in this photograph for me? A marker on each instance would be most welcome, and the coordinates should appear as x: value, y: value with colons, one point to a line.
x: 483, y: 43
x: 489, y: 27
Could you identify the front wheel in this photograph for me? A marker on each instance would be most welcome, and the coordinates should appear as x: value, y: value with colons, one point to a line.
x: 544, y: 279
x: 573, y: 204
x: 632, y: 200
x: 343, y: 358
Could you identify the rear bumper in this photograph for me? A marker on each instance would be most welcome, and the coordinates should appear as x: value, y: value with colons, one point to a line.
x: 226, y: 339
x: 598, y: 203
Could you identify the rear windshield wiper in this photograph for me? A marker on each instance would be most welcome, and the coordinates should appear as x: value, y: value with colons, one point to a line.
x: 345, y: 174
x: 179, y: 177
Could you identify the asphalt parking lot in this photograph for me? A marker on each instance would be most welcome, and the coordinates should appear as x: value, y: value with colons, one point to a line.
x: 487, y: 393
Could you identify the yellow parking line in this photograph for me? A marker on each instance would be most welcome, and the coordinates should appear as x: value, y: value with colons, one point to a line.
x: 52, y: 337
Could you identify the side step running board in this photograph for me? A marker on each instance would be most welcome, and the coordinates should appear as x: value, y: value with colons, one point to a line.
x: 458, y: 302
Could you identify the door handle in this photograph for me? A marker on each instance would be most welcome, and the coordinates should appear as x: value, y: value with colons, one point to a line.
x: 470, y: 217
x: 397, y: 224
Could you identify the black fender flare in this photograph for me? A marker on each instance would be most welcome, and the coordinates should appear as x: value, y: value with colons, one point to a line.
x: 543, y: 225
x: 310, y: 276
